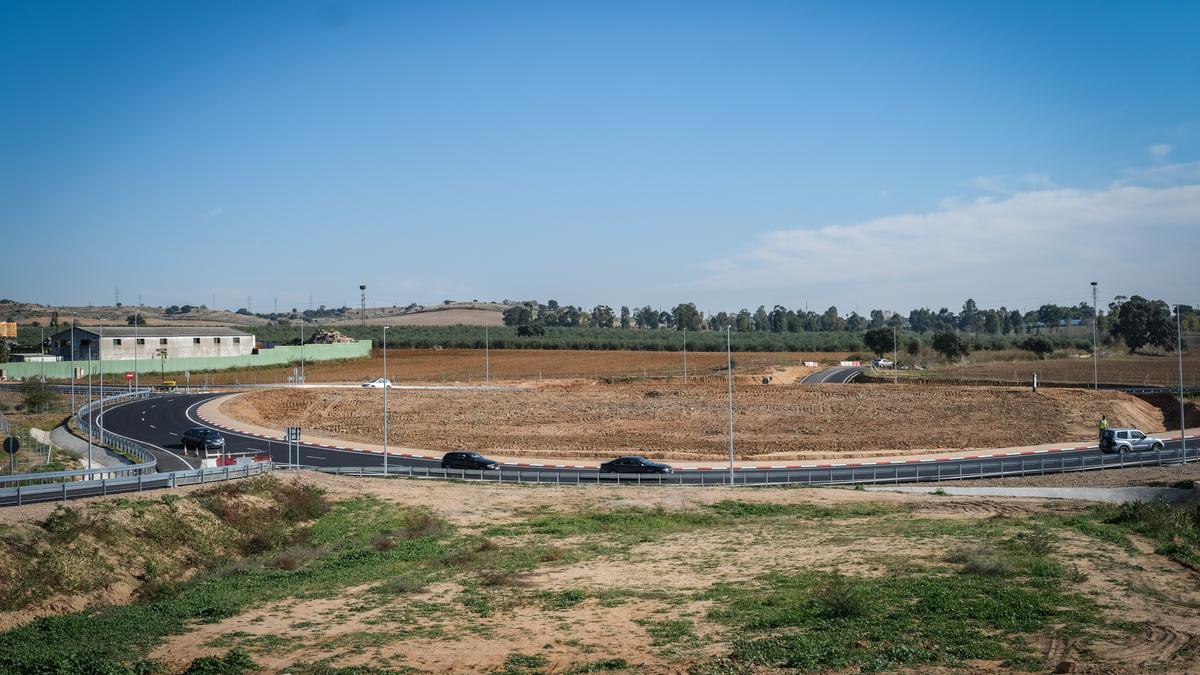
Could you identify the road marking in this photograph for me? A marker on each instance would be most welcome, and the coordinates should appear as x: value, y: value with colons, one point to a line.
x: 172, y: 433
x: 153, y: 427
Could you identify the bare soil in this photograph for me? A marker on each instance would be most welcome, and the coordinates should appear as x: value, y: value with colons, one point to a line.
x: 588, y: 419
x: 1160, y: 371
x: 447, y: 366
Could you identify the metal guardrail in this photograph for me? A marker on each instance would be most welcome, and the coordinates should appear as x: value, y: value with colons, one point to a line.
x: 62, y: 485
x: 983, y: 468
x: 28, y: 494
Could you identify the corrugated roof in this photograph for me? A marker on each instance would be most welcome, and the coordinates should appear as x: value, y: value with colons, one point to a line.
x: 159, y: 331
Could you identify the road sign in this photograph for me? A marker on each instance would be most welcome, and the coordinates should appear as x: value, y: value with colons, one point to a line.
x: 187, y: 376
x: 12, y: 444
x: 293, y: 434
x: 129, y: 375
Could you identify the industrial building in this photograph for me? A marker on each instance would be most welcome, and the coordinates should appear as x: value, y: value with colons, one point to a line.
x: 120, y: 343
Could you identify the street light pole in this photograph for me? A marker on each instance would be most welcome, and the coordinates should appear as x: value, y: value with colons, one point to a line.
x: 685, y: 354
x: 487, y: 356
x: 136, y: 318
x: 386, y: 385
x: 91, y: 417
x: 302, y: 348
x: 73, y: 408
x: 1179, y: 348
x: 729, y: 380
x: 1095, y: 346
x: 895, y: 357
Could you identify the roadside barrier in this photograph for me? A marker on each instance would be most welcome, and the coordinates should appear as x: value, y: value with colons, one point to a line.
x: 915, y: 471
x: 62, y: 485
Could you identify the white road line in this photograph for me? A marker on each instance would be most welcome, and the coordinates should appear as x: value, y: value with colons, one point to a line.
x: 172, y: 433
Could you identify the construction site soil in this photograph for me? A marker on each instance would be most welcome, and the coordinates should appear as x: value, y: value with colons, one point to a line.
x: 592, y: 419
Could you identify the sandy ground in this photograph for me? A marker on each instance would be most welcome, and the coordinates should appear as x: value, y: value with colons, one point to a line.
x: 587, y: 420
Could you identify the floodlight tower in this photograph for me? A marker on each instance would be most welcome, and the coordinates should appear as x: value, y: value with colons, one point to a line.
x: 362, y: 289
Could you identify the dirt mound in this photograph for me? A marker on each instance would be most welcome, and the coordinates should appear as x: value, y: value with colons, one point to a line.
x: 325, y: 336
x: 688, y: 422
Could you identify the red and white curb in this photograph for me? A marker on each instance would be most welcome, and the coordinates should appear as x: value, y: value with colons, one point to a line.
x: 847, y: 465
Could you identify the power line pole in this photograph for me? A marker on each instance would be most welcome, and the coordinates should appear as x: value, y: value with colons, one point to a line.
x: 685, y: 354
x: 362, y: 288
x: 386, y: 385
x: 487, y: 356
x: 895, y: 357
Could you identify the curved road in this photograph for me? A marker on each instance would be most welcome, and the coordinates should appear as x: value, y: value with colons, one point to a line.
x: 159, y: 421
x: 839, y: 375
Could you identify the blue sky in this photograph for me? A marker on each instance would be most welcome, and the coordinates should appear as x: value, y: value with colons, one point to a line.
x: 728, y: 153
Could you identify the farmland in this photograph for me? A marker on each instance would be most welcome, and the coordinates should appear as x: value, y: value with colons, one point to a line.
x: 670, y: 420
x: 469, y: 365
x: 1128, y: 370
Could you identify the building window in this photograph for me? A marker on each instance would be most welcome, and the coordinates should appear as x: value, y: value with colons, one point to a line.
x: 162, y: 341
x: 141, y: 341
x: 217, y: 341
x: 195, y: 341
x: 237, y: 340
x: 116, y: 342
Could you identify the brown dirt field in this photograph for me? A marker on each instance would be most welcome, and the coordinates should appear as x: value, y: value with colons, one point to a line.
x: 467, y: 365
x: 688, y: 422
x: 1133, y: 370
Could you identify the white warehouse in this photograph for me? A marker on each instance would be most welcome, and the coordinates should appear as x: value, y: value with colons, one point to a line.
x: 119, y: 343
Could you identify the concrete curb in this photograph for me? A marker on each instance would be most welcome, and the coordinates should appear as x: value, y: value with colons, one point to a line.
x: 1108, y: 495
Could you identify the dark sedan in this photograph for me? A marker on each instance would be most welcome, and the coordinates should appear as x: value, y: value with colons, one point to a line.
x: 468, y: 460
x: 634, y: 464
x: 202, y: 439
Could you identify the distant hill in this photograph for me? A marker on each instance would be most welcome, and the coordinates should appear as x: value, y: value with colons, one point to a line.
x: 26, y: 313
x: 454, y: 313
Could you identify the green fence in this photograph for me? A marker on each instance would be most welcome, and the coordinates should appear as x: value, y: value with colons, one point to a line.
x: 265, y: 357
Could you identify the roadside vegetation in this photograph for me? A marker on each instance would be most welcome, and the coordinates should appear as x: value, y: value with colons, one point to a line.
x: 400, y: 578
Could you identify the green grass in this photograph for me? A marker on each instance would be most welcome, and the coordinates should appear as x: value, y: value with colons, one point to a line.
x: 816, y: 621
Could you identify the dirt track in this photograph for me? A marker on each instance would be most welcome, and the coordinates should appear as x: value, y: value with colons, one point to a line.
x: 674, y: 421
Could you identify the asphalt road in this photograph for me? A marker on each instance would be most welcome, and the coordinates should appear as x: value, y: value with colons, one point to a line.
x: 160, y: 420
x: 839, y: 375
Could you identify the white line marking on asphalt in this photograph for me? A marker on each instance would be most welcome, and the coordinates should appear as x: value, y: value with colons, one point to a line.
x: 153, y: 427
x: 172, y: 433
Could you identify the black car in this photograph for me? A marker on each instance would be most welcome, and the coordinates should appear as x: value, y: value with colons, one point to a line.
x: 468, y: 460
x: 202, y: 438
x: 634, y: 464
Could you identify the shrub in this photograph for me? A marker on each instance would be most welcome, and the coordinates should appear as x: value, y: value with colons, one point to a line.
x: 839, y: 599
x: 235, y: 662
x: 981, y: 561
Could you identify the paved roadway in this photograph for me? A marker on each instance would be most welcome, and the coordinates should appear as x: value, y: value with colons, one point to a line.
x: 160, y: 420
x: 839, y: 375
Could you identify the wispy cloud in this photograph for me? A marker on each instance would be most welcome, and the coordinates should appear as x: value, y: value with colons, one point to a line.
x: 1023, y: 245
x: 1160, y: 151
x: 214, y: 213
x: 1007, y: 184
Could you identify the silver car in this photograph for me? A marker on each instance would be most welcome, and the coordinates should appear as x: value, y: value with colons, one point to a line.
x: 1128, y: 440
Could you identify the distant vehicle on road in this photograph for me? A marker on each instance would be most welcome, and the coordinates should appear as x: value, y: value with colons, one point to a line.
x: 884, y: 363
x: 1128, y: 440
x: 468, y: 460
x: 202, y: 439
x: 634, y: 464
x: 379, y: 384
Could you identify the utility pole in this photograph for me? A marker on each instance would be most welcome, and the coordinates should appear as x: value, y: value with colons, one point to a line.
x: 302, y: 348
x: 137, y: 317
x: 91, y: 417
x: 73, y: 408
x: 895, y: 357
x: 729, y: 379
x: 487, y: 356
x: 1095, y: 336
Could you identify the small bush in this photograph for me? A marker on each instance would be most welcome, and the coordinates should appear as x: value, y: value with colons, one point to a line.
x: 423, y: 524
x: 235, y: 662
x: 840, y: 599
x: 562, y: 599
x: 294, y: 557
x: 383, y: 542
x: 981, y: 561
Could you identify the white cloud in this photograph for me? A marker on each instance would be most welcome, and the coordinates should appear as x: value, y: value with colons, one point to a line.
x: 1160, y: 151
x: 1016, y: 249
x: 1007, y: 184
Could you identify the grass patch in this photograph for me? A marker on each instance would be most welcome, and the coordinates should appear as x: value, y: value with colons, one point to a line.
x: 519, y: 664
x: 559, y: 600
x: 816, y: 621
x: 599, y: 666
